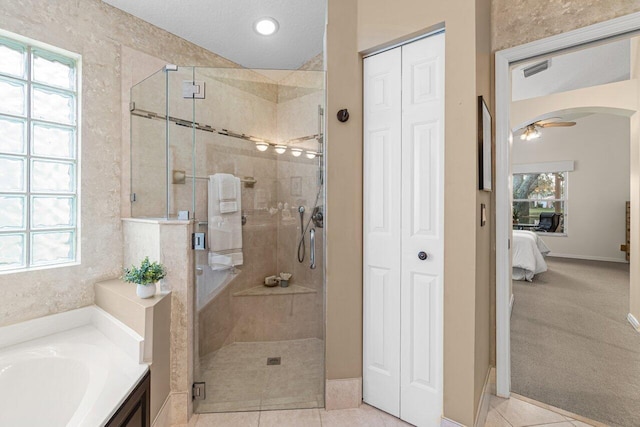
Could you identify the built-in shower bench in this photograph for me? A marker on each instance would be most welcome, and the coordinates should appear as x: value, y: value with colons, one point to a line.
x: 275, y: 290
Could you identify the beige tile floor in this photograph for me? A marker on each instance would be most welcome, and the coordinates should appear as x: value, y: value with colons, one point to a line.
x: 512, y: 412
x: 238, y: 378
x: 245, y: 381
x: 365, y: 415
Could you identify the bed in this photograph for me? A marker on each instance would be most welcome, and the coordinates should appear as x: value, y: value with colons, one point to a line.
x: 528, y: 254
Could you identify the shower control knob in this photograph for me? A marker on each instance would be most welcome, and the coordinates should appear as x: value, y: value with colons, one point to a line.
x: 422, y: 255
x: 343, y: 115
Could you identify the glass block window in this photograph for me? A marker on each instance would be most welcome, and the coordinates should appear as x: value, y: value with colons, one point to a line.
x: 39, y: 173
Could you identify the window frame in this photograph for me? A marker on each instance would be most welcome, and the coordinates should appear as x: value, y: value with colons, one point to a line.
x: 28, y: 155
x: 564, y: 200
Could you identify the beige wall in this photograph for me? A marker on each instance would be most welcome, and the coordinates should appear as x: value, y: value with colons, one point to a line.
x: 634, y: 257
x: 97, y: 32
x: 597, y: 189
x: 485, y: 235
x: 344, y: 194
x: 381, y: 23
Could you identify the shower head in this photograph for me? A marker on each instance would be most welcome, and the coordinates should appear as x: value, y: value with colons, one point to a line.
x: 301, y: 209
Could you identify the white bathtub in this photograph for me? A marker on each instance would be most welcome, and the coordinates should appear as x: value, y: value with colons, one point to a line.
x: 68, y: 369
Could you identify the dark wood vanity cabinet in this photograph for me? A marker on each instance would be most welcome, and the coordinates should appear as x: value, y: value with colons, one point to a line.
x: 135, y: 411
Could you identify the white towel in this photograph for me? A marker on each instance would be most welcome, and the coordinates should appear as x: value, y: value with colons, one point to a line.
x: 228, y: 207
x: 222, y: 261
x: 225, y: 221
x: 227, y: 192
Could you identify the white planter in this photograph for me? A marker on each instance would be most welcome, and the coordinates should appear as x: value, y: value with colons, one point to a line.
x: 146, y: 291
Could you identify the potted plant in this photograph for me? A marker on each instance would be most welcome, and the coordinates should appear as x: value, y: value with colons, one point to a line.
x: 516, y: 216
x: 146, y: 276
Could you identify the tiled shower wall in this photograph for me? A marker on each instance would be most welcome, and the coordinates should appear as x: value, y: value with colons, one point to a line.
x: 245, y: 102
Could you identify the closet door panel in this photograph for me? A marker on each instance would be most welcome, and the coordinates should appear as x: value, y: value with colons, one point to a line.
x: 382, y: 162
x: 422, y: 174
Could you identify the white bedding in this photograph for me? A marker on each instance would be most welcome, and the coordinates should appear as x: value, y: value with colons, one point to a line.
x: 528, y: 253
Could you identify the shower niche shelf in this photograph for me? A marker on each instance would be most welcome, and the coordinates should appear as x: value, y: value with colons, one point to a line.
x: 276, y: 290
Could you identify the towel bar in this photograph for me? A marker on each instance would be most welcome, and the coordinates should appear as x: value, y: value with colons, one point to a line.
x: 180, y: 177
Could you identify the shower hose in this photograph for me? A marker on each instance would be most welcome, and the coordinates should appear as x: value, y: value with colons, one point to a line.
x: 303, y: 229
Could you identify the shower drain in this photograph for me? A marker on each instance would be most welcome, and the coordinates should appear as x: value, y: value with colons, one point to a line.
x: 273, y: 361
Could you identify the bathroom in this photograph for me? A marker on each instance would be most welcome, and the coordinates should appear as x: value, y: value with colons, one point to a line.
x: 261, y: 131
x: 125, y: 59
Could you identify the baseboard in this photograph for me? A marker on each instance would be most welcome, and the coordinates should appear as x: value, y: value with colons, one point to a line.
x: 634, y: 322
x: 511, y: 301
x: 343, y: 394
x: 163, y: 418
x: 446, y: 422
x: 557, y: 410
x: 483, y: 405
x: 586, y: 257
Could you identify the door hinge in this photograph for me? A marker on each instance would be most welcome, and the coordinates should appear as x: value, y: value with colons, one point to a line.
x: 198, y: 241
x: 132, y: 197
x: 193, y: 89
x: 199, y: 391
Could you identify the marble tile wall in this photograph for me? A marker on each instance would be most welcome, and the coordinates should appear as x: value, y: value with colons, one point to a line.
x: 245, y: 105
x: 515, y: 22
x: 271, y: 234
x: 98, y: 32
x: 176, y: 255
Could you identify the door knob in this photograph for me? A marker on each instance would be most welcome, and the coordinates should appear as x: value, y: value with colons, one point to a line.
x: 422, y: 255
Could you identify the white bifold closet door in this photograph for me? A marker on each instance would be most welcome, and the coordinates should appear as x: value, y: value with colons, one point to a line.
x: 403, y: 222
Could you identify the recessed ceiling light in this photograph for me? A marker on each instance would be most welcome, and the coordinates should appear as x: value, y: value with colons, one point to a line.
x: 266, y: 26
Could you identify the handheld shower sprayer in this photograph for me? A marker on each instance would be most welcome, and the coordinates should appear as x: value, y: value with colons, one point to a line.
x: 301, y: 245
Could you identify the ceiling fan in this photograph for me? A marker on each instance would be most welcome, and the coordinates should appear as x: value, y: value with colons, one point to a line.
x: 532, y: 130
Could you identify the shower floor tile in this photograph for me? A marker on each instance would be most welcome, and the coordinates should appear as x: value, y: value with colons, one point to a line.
x: 239, y: 379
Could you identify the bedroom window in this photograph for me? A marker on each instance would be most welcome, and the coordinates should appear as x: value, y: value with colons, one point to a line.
x: 540, y: 202
x: 39, y: 171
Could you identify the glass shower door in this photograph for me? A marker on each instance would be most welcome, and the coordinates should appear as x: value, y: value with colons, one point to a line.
x: 257, y: 159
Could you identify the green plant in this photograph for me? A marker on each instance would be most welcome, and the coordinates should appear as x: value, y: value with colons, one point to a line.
x: 147, y: 273
x: 516, y: 214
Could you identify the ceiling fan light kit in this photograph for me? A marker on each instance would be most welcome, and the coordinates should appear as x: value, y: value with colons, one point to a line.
x: 530, y: 133
x: 532, y: 130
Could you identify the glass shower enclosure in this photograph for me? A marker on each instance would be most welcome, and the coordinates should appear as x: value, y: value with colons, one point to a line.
x: 240, y: 153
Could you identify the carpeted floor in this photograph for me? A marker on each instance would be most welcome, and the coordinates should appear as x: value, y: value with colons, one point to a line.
x: 571, y: 344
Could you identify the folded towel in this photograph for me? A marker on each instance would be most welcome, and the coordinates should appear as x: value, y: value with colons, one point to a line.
x: 226, y: 187
x: 222, y: 261
x: 228, y: 207
x: 225, y: 219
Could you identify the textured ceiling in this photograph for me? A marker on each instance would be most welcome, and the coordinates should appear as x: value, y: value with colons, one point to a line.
x: 225, y: 27
x: 591, y: 66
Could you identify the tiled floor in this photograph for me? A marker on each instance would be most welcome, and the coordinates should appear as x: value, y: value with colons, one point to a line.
x: 364, y: 416
x: 239, y: 379
x: 272, y: 388
x: 512, y: 412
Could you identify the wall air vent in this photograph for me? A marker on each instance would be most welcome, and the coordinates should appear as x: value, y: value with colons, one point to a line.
x: 536, y: 68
